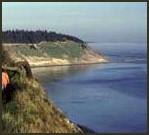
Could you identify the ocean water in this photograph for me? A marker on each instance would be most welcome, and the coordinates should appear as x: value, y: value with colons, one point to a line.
x: 108, y: 98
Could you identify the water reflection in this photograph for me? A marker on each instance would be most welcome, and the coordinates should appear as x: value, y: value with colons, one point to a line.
x: 50, y: 75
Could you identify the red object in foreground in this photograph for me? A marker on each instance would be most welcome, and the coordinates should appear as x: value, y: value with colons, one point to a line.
x: 5, y: 79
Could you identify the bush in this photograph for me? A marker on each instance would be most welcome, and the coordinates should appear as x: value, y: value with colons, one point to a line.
x: 6, y: 60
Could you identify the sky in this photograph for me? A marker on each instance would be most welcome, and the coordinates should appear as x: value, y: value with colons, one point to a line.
x: 106, y: 22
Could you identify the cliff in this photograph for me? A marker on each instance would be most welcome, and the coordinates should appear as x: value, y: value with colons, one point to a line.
x: 54, y: 53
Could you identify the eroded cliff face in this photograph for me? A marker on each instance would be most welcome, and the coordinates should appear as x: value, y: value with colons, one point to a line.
x: 54, y: 53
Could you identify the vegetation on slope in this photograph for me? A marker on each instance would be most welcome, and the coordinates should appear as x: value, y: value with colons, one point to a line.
x: 30, y: 111
x: 62, y: 50
x: 6, y: 60
x: 50, y: 49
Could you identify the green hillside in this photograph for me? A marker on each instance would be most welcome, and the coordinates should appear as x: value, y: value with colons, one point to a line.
x: 51, y: 49
x: 54, y: 53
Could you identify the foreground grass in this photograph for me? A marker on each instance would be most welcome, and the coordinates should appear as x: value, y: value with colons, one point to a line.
x: 29, y: 111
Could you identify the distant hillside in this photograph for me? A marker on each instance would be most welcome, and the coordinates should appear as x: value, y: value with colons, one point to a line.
x: 32, y: 37
x: 54, y: 53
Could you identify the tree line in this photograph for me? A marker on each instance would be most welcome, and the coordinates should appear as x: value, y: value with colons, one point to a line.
x: 31, y: 37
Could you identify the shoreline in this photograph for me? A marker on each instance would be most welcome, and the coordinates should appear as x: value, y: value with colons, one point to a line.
x: 71, y: 64
x: 85, y: 129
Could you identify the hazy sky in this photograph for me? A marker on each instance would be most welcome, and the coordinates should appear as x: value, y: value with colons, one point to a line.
x: 90, y: 21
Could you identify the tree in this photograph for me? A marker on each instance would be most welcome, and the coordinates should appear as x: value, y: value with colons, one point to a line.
x: 31, y: 37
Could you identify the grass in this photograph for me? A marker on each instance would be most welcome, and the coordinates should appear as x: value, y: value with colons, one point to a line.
x: 27, y: 51
x: 30, y: 111
x: 53, y: 49
x: 71, y: 49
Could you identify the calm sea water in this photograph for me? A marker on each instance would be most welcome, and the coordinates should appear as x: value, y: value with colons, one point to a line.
x: 104, y: 97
